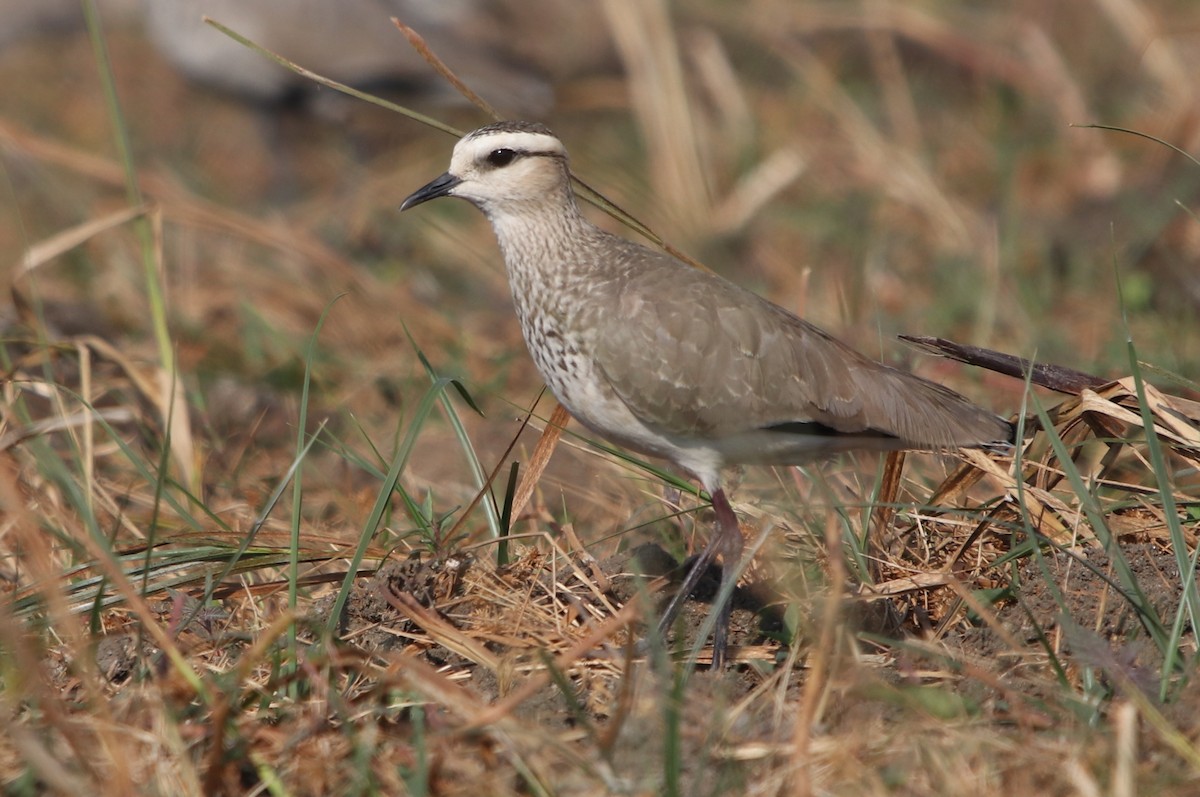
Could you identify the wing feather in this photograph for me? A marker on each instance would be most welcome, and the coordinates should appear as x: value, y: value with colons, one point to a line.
x: 712, y: 360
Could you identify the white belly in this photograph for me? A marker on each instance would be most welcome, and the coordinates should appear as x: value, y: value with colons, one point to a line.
x: 582, y: 388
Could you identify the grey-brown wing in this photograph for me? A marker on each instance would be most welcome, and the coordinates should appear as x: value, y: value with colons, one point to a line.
x: 694, y: 355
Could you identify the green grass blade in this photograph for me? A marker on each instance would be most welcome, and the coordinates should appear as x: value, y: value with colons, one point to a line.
x: 424, y: 408
x: 293, y: 571
x: 1189, y: 606
x: 268, y: 507
x: 464, y: 440
x: 154, y: 287
x: 1133, y: 593
x: 424, y: 526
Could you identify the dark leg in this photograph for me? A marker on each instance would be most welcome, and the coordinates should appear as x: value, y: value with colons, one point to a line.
x: 729, y: 535
x: 726, y: 541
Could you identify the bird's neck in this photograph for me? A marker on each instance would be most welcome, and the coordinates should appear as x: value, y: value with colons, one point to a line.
x: 539, y: 235
x: 549, y: 253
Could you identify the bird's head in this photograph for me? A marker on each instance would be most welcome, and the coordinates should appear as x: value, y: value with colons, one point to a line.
x: 504, y: 163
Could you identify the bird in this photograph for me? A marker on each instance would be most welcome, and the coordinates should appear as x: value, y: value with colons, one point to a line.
x: 676, y: 362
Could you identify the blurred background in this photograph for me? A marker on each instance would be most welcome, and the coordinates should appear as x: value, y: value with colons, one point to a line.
x: 878, y: 167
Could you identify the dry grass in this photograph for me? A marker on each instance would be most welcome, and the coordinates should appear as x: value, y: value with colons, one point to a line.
x: 179, y: 522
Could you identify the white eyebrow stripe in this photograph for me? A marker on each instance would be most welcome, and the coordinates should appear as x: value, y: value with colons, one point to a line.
x: 520, y: 141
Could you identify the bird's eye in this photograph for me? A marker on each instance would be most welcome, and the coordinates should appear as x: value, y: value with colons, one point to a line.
x: 501, y: 157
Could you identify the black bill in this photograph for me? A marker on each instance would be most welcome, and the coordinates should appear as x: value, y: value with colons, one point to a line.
x: 440, y: 186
